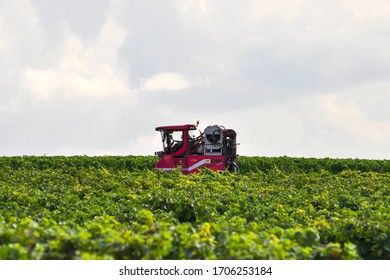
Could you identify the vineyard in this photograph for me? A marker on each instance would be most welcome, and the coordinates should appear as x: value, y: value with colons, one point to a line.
x: 119, y: 208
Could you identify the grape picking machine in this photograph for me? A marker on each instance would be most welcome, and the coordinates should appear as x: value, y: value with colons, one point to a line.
x: 214, y: 148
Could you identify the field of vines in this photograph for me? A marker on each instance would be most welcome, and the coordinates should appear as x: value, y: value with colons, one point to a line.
x: 119, y: 207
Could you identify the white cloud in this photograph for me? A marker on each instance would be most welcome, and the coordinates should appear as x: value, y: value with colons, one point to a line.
x: 146, y: 144
x: 82, y: 69
x: 165, y: 81
x: 189, y: 6
x: 269, y: 130
x: 257, y: 11
x: 4, y: 38
x: 141, y: 145
x: 336, y: 125
x: 322, y: 46
x: 368, y: 9
x: 293, y: 77
x: 329, y: 125
x: 23, y: 36
x: 347, y: 118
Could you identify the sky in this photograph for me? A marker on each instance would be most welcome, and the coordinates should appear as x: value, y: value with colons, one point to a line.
x: 300, y: 78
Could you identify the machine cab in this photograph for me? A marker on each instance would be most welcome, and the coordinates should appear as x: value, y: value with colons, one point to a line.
x: 175, y: 139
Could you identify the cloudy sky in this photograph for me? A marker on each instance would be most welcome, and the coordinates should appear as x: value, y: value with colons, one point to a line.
x: 305, y: 78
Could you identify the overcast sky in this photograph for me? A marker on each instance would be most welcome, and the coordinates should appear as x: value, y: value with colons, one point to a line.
x: 302, y: 78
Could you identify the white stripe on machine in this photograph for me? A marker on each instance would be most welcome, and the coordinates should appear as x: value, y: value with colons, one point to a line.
x: 199, y: 164
x: 192, y: 167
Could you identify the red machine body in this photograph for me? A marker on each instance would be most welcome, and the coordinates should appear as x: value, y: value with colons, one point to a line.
x: 215, y: 148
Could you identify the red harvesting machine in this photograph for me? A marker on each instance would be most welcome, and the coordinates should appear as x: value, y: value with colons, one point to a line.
x: 215, y: 148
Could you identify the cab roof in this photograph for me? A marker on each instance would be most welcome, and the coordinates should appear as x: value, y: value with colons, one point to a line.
x: 176, y: 127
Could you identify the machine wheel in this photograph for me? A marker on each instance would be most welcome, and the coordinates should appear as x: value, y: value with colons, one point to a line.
x: 233, y: 167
